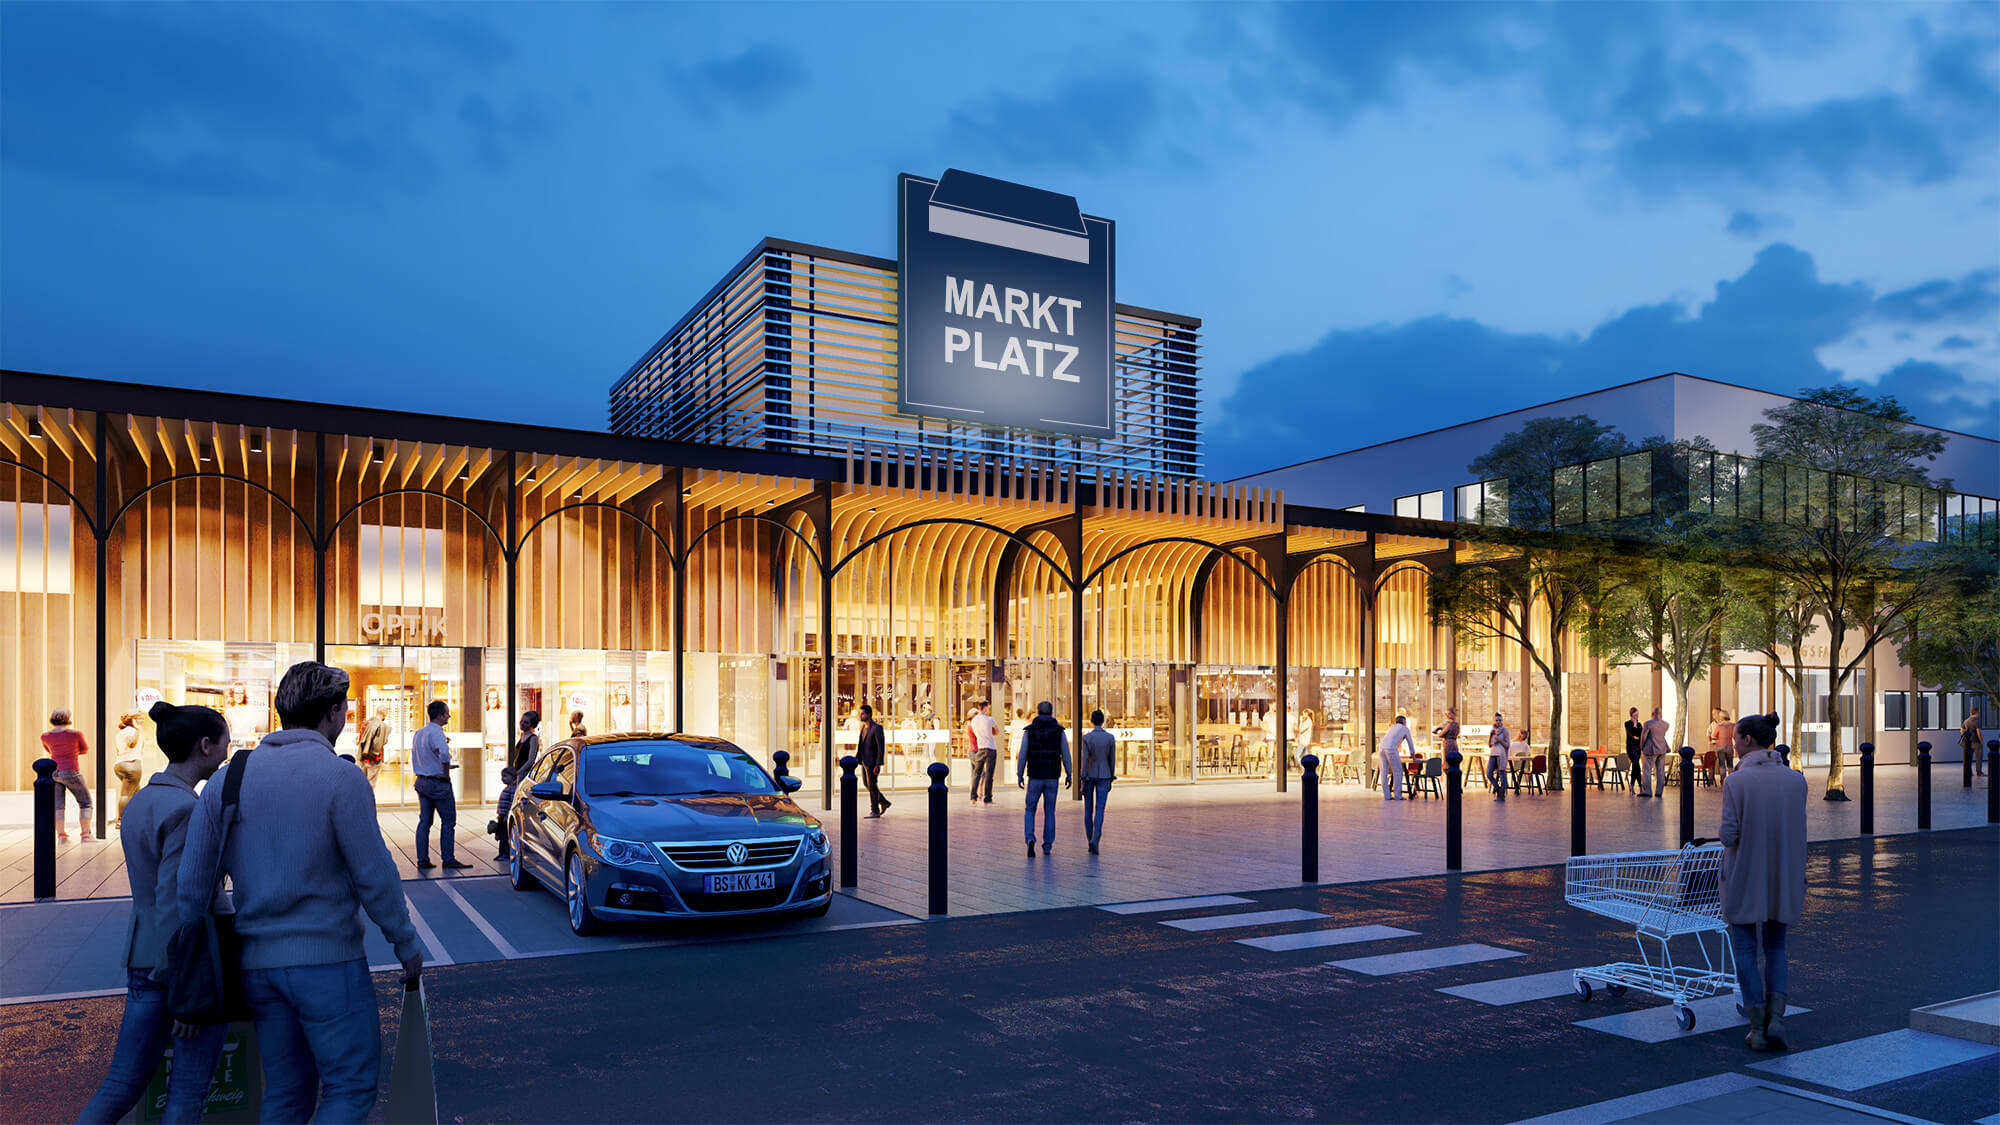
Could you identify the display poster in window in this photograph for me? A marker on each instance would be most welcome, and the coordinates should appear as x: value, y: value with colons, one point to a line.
x: 1005, y: 306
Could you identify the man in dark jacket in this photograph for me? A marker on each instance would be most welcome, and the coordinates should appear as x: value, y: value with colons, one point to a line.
x: 870, y: 753
x: 1043, y: 757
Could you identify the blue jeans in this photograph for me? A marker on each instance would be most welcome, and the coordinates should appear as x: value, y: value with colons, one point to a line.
x: 321, y: 1036
x: 1775, y: 977
x: 434, y: 798
x: 1096, y: 791
x: 142, y: 1038
x: 1042, y: 789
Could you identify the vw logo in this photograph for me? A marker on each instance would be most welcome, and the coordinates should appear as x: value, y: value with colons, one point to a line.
x: 738, y: 855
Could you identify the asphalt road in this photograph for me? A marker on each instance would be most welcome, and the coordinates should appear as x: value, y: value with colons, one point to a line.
x: 1084, y: 1015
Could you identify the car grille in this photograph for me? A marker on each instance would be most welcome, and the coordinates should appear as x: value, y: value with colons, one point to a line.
x: 742, y: 900
x: 715, y: 857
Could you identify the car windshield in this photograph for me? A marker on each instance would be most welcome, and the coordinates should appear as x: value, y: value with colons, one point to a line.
x: 670, y: 769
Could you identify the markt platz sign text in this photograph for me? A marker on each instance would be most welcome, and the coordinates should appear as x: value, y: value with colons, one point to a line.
x: 1006, y: 299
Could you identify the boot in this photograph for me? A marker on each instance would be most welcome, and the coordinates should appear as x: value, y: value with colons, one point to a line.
x: 1755, y: 1040
x: 1774, y: 1021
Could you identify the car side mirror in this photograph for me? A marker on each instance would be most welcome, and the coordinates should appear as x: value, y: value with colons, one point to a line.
x: 791, y: 784
x: 548, y: 791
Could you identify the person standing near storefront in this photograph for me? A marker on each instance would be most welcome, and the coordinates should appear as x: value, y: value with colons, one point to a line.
x: 1499, y: 744
x: 1099, y: 754
x: 195, y: 741
x: 1763, y: 875
x: 374, y: 745
x: 127, y: 765
x: 64, y: 744
x: 519, y: 761
x: 1043, y: 757
x: 985, y: 735
x: 1390, y: 752
x: 1635, y: 733
x: 871, y: 753
x: 1968, y: 742
x: 1722, y: 740
x: 305, y: 857
x: 1653, y: 748
x: 430, y: 757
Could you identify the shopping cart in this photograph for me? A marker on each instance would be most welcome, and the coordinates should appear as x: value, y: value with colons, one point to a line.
x: 1663, y: 896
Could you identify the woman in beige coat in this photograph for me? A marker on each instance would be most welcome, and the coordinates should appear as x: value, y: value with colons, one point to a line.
x: 1763, y: 874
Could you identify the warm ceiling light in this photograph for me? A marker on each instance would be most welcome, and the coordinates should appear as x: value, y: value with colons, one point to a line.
x: 207, y: 452
x: 381, y: 454
x: 871, y: 511
x: 577, y: 495
x: 465, y: 473
x: 256, y: 443
x: 34, y: 429
x: 530, y: 478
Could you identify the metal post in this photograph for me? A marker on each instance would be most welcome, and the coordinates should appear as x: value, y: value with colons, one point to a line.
x: 1454, y: 812
x: 940, y: 797
x: 1923, y: 786
x: 1687, y: 794
x: 45, y: 828
x: 1992, y: 791
x: 779, y: 760
x: 1309, y: 818
x: 1867, y: 789
x: 849, y: 867
x: 1579, y: 763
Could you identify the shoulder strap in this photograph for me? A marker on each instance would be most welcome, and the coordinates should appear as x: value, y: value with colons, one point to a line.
x: 232, y: 786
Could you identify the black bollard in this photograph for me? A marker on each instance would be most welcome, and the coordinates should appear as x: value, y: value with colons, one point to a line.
x: 849, y: 868
x: 1867, y: 789
x: 1923, y: 786
x: 1454, y: 812
x: 1687, y: 794
x: 1579, y: 765
x: 779, y: 758
x: 1309, y: 818
x: 940, y: 796
x: 1992, y: 791
x: 45, y: 828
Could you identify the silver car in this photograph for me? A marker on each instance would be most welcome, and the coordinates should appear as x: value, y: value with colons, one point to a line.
x: 650, y: 826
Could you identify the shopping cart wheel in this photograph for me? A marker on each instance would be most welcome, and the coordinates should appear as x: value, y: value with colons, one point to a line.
x: 1583, y: 990
x: 1614, y: 990
x: 1684, y: 1017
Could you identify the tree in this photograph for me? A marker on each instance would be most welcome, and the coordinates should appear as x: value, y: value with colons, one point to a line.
x: 1954, y: 645
x: 1845, y: 551
x: 1668, y: 608
x: 1767, y: 615
x: 1528, y: 459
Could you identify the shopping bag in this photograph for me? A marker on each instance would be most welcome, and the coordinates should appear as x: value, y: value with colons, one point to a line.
x: 235, y: 1094
x: 412, y: 1082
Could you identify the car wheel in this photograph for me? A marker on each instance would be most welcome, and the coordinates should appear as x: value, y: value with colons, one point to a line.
x: 517, y: 868
x: 581, y: 920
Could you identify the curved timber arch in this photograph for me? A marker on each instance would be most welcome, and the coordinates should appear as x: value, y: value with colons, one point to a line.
x: 74, y: 502
x: 1017, y: 537
x: 311, y: 535
x: 756, y: 517
x: 1217, y: 549
x: 446, y: 496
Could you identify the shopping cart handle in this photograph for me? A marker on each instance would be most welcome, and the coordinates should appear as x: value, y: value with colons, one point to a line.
x: 1698, y: 841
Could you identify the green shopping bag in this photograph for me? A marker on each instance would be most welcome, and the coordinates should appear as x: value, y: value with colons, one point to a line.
x: 234, y: 1094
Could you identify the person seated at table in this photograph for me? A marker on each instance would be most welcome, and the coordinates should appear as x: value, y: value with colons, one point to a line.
x: 1520, y: 750
x: 1498, y: 743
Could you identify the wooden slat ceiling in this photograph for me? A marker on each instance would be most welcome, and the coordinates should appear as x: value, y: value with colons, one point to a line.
x: 1403, y: 546
x: 1301, y: 540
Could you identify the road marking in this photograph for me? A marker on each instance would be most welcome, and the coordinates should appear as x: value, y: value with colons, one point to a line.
x: 1875, y: 1059
x: 1516, y: 990
x: 1233, y: 921
x: 1726, y: 1097
x: 427, y: 935
x: 1418, y: 960
x: 1318, y: 939
x: 505, y: 947
x: 1164, y: 904
x: 1657, y: 1024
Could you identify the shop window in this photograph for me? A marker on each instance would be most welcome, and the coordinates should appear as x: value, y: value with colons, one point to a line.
x: 1895, y: 710
x: 34, y: 548
x: 1930, y: 710
x: 1424, y: 505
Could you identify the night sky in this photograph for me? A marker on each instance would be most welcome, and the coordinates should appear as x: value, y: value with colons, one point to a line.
x: 1389, y: 217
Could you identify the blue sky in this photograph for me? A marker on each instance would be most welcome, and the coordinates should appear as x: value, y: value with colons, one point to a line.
x: 1390, y: 217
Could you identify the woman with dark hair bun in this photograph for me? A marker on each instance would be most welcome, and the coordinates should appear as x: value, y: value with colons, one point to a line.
x: 195, y: 740
x: 526, y: 750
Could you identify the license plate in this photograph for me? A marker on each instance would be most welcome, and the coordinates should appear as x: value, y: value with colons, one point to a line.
x: 742, y: 881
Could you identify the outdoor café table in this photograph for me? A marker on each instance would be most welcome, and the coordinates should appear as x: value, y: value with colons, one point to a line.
x: 1597, y: 760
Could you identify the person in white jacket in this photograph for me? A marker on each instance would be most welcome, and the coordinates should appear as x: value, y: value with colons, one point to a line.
x: 1391, y: 755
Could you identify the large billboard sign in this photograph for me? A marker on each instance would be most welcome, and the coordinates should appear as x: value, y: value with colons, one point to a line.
x: 1006, y: 302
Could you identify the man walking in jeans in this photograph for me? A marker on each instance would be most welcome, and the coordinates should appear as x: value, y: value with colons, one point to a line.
x: 1099, y: 759
x: 1044, y: 756
x: 430, y: 757
x: 304, y: 858
x: 985, y: 734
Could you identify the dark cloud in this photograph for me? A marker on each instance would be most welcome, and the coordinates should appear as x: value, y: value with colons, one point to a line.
x: 233, y: 99
x: 1953, y: 343
x: 1090, y: 122
x: 1763, y: 329
x: 753, y: 80
x: 1974, y: 298
x: 1943, y: 396
x: 1345, y: 58
x: 1745, y: 224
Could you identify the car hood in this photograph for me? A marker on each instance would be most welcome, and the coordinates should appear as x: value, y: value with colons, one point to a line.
x: 699, y: 818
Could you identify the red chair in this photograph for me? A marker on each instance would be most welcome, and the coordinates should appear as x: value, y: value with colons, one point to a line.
x: 1537, y: 767
x: 1705, y: 772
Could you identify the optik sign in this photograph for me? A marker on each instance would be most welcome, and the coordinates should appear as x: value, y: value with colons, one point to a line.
x: 1006, y: 300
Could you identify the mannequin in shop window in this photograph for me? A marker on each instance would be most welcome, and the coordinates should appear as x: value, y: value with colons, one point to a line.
x: 621, y: 707
x: 246, y: 719
x: 576, y: 727
x: 127, y: 765
x: 493, y: 720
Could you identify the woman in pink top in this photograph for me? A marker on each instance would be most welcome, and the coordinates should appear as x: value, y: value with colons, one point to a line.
x: 65, y: 744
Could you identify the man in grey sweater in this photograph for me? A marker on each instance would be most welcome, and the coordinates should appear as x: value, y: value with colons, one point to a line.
x: 304, y: 857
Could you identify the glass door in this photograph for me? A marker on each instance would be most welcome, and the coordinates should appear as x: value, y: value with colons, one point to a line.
x: 391, y: 689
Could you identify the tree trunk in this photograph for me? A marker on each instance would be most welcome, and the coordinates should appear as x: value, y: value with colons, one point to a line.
x: 1556, y: 705
x: 1680, y: 719
x: 1836, y: 766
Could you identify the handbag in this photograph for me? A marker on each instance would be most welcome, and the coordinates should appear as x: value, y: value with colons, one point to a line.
x: 412, y: 1073
x: 205, y: 955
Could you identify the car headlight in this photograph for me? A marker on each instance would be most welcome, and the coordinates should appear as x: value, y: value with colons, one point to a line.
x: 621, y: 851
x: 816, y: 842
